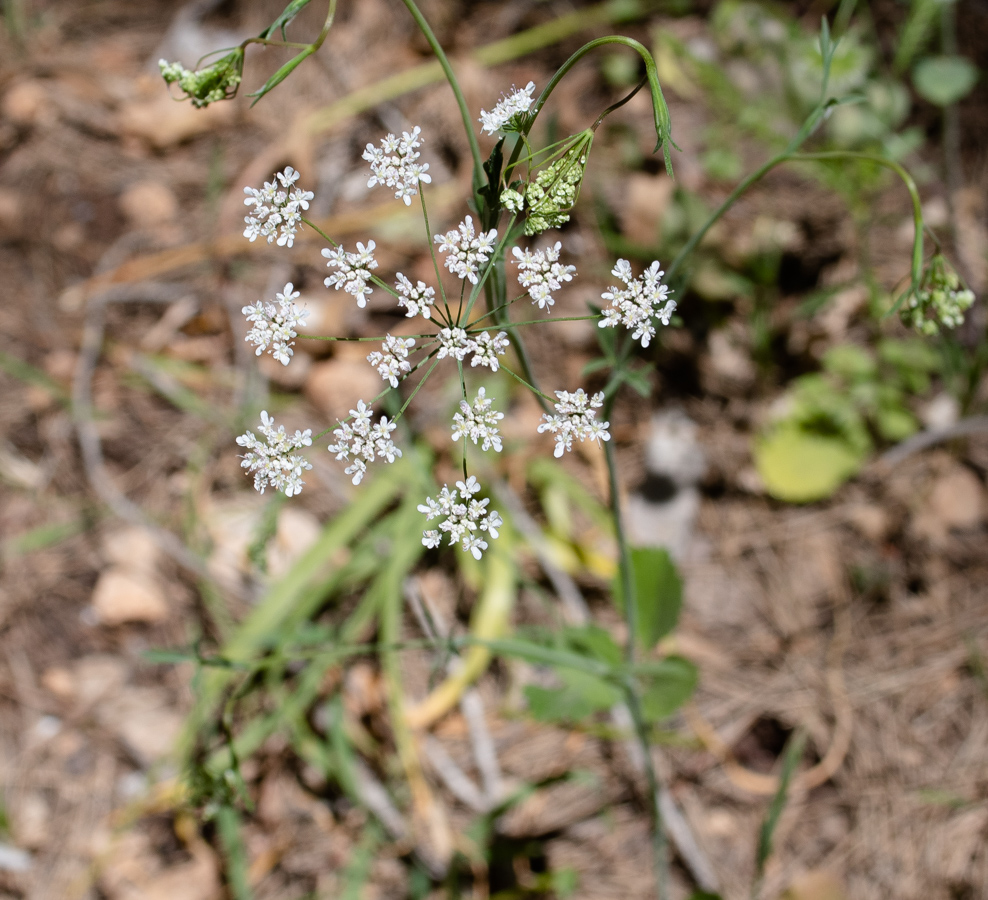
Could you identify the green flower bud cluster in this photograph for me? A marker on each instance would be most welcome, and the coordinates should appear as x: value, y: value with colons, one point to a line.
x: 940, y: 300
x: 553, y: 193
x: 218, y: 81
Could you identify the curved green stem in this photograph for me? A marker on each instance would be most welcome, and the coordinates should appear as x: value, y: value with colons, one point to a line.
x: 660, y: 111
x: 426, y: 29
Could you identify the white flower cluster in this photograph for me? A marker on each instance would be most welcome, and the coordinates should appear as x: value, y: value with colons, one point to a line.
x: 277, y: 213
x: 364, y: 441
x: 417, y: 298
x: 465, y: 516
x: 485, y: 347
x: 466, y: 250
x: 576, y: 418
x: 394, y: 165
x: 391, y: 360
x: 502, y: 116
x: 274, y: 461
x: 274, y: 327
x: 541, y: 273
x: 478, y: 422
x: 635, y: 306
x: 354, y: 270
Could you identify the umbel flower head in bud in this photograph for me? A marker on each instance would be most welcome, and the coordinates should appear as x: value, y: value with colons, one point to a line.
x: 218, y: 81
x: 940, y: 300
x: 553, y: 193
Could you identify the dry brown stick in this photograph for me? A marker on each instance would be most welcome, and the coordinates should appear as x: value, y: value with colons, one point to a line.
x: 766, y: 785
x: 926, y: 439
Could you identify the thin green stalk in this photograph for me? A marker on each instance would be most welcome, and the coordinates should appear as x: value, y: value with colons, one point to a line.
x: 659, y: 847
x: 426, y: 29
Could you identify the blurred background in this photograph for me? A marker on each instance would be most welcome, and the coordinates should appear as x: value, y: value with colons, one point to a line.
x: 825, y: 584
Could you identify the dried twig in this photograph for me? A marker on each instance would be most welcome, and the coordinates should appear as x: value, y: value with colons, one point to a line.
x: 932, y: 437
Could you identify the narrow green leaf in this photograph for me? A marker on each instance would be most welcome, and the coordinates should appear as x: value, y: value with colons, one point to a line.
x: 791, y: 757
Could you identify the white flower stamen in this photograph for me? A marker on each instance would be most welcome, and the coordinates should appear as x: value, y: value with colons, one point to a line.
x: 274, y: 461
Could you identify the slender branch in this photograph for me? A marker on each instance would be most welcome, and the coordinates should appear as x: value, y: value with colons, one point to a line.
x: 426, y: 29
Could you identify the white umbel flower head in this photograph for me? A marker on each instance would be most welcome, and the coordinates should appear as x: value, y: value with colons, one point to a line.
x: 464, y: 518
x: 273, y: 326
x: 466, y: 251
x: 274, y: 461
x: 364, y: 441
x: 541, y: 273
x: 354, y: 270
x: 576, y: 417
x: 391, y: 361
x: 487, y: 347
x: 478, y: 422
x: 636, y: 305
x: 417, y: 298
x: 453, y: 342
x: 394, y: 164
x: 504, y: 116
x: 278, y: 207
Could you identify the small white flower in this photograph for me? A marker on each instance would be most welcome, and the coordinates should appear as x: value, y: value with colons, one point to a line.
x: 512, y: 201
x: 478, y: 422
x: 394, y: 165
x: 278, y: 206
x: 273, y: 461
x: 466, y: 250
x: 576, y: 418
x: 642, y: 300
x: 453, y: 342
x: 363, y: 441
x: 464, y: 517
x: 391, y: 360
x: 540, y: 273
x: 354, y: 270
x: 486, y: 349
x: 275, y: 326
x: 503, y: 115
x: 417, y: 298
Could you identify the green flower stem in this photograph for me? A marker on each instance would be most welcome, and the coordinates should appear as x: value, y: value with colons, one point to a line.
x: 659, y: 844
x: 426, y: 29
x: 660, y: 111
x: 790, y: 155
x: 435, y: 261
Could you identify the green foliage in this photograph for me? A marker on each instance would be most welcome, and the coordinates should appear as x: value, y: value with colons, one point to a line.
x: 658, y: 593
x: 944, y: 79
x: 827, y: 432
x: 792, y: 755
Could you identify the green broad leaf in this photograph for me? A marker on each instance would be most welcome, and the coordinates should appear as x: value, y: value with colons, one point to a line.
x: 581, y: 696
x: 638, y: 381
x: 658, y: 590
x: 668, y: 685
x: 798, y: 466
x: 595, y: 642
x: 895, y: 423
x: 943, y: 80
